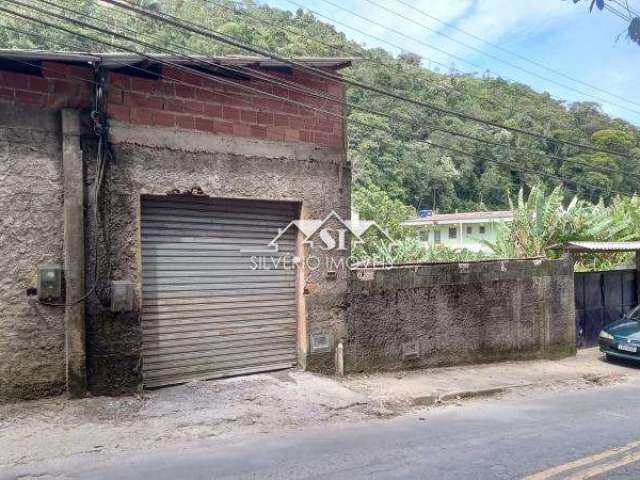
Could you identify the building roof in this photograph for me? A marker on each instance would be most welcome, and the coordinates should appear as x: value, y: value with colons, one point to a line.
x: 594, y: 247
x: 118, y: 60
x: 466, y: 217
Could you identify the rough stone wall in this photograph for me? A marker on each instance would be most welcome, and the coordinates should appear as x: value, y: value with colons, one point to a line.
x: 31, y: 233
x: 148, y: 161
x: 451, y: 314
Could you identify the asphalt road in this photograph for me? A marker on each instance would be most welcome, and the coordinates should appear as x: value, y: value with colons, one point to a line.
x: 590, y: 433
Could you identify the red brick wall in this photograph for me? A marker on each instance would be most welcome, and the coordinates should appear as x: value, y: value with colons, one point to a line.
x: 60, y: 86
x: 189, y: 101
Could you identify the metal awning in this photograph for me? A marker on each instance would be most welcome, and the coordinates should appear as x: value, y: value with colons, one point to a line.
x: 597, y: 247
x: 111, y: 60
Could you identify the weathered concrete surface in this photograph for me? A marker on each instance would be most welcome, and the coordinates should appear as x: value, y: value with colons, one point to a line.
x: 304, y: 174
x: 74, y: 247
x: 435, y: 385
x: 460, y: 313
x: 190, y: 141
x: 32, y: 360
x: 46, y: 429
x: 582, y: 433
x: 187, y: 415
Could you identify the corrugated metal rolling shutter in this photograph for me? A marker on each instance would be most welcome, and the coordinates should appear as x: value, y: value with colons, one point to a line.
x: 206, y: 312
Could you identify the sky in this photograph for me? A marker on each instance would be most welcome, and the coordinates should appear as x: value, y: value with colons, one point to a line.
x: 561, y: 35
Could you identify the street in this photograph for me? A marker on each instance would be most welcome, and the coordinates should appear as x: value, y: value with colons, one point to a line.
x: 591, y: 432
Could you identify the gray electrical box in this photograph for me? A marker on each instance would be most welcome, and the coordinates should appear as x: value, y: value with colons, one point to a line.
x: 49, y: 282
x: 122, y: 296
x: 321, y: 342
x: 410, y: 350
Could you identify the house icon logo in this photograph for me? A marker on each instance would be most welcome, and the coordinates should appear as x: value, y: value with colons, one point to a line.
x: 330, y: 233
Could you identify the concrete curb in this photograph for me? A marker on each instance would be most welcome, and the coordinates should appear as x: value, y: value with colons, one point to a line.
x: 433, y: 400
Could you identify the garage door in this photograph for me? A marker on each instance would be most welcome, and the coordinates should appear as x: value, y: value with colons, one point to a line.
x: 207, y: 310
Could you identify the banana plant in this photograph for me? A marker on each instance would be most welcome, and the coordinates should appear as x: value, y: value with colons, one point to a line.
x: 542, y: 220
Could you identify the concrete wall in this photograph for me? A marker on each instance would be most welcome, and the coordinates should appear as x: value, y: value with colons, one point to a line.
x: 164, y: 138
x: 453, y: 314
x: 31, y: 233
x: 166, y: 134
x: 32, y: 335
x: 181, y: 131
x: 152, y: 161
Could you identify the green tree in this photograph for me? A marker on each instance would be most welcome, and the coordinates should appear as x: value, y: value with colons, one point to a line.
x: 388, y: 154
x: 541, y: 221
x: 375, y: 204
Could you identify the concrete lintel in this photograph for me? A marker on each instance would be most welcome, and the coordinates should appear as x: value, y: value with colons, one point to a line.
x: 74, y: 253
x: 193, y: 141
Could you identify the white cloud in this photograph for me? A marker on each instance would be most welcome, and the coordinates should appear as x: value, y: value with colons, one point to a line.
x: 369, y: 21
x: 492, y: 20
x: 495, y: 19
x: 556, y: 33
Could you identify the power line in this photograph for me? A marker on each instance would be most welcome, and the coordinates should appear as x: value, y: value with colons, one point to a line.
x: 237, y: 10
x: 563, y: 159
x: 198, y: 29
x: 462, y: 59
x: 191, y: 70
x: 345, y: 48
x: 331, y: 113
x: 502, y: 49
x: 240, y: 11
x: 123, y: 63
x: 279, y: 81
x: 465, y: 153
x: 617, y: 13
x: 156, y: 59
x: 245, y: 71
x: 381, y: 40
x: 172, y: 20
x: 625, y: 6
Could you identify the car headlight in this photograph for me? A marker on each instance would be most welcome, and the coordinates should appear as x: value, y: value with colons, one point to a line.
x: 606, y: 335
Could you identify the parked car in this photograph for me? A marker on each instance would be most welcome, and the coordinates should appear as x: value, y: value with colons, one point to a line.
x: 621, y: 339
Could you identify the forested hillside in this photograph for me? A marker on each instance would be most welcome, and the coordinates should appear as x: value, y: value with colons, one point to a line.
x: 390, y: 153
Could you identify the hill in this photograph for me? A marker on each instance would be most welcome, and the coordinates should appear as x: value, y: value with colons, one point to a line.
x: 392, y: 153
